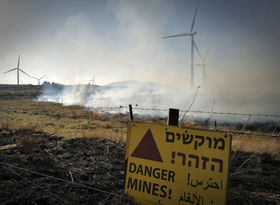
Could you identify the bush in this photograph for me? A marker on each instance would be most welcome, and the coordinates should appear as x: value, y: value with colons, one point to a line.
x: 27, y: 143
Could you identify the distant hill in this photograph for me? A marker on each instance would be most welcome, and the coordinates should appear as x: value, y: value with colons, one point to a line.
x: 12, y: 91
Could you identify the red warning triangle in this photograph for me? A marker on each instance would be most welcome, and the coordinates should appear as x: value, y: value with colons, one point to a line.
x: 147, y: 148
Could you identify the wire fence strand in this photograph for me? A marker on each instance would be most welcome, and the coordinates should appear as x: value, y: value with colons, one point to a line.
x: 54, y: 195
x: 182, y: 110
x: 124, y: 122
x: 104, y: 109
x: 59, y: 179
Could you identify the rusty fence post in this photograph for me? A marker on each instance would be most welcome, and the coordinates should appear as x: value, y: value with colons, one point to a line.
x: 131, y: 113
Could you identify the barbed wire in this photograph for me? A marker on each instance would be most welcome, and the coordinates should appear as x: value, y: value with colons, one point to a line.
x: 190, y: 111
x: 149, y: 109
x: 251, y: 134
x: 54, y: 195
x: 121, y: 107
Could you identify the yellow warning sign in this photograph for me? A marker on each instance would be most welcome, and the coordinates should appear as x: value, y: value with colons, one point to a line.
x: 170, y: 165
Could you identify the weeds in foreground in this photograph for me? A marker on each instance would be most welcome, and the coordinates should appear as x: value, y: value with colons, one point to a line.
x: 27, y: 142
x: 4, y: 125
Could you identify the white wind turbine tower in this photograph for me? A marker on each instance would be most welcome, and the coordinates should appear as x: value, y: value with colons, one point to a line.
x: 203, y: 66
x: 39, y: 79
x: 18, y: 69
x: 193, y: 44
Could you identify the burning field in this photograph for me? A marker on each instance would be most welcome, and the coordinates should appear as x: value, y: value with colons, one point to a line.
x: 54, y: 154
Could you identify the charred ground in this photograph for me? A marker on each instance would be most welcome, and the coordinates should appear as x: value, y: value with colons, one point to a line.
x: 42, y: 172
x: 42, y: 162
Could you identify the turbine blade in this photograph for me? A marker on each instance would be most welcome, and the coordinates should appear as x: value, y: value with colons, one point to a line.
x: 197, y: 50
x: 10, y: 70
x: 18, y: 60
x: 177, y: 35
x: 42, y: 77
x: 194, y: 17
x: 25, y: 73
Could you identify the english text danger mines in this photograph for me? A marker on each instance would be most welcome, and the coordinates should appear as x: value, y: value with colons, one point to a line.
x: 145, y: 186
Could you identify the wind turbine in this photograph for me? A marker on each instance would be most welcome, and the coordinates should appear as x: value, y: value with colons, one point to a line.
x: 38, y: 79
x: 17, y: 69
x: 193, y: 44
x: 93, y: 82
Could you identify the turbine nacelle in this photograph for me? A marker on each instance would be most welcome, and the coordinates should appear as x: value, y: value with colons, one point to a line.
x: 192, y: 33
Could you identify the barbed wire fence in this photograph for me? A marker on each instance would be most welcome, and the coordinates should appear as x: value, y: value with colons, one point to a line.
x: 194, y: 116
x: 122, y: 107
x: 247, y: 117
x: 189, y: 115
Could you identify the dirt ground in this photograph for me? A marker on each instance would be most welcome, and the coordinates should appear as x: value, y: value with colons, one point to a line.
x: 91, y: 171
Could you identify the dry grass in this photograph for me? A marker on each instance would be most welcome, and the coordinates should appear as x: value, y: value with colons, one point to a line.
x: 76, y: 121
x: 66, y: 121
x: 257, y: 145
x: 27, y: 143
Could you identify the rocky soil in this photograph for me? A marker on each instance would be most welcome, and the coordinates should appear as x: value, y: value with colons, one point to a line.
x: 91, y: 171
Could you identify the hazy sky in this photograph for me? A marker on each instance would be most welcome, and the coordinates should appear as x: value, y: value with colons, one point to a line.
x: 70, y: 41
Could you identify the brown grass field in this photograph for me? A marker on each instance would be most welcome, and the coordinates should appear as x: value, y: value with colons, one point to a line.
x: 254, y: 170
x: 76, y: 121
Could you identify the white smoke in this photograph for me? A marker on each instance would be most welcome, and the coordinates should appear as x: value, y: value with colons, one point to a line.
x: 147, y: 99
x: 120, y: 94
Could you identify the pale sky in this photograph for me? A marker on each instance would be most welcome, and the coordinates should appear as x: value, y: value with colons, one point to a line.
x: 70, y: 41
